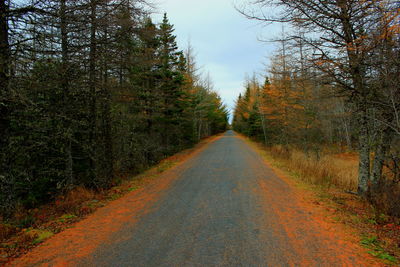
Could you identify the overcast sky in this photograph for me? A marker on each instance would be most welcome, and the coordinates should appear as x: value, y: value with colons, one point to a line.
x: 226, y: 44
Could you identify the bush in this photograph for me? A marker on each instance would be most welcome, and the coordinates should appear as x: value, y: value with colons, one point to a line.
x: 71, y: 202
x: 386, y: 198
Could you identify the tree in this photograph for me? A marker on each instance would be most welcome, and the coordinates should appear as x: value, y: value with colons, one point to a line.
x: 5, y: 98
x: 341, y: 34
x: 12, y: 16
x: 171, y: 81
x: 4, y: 81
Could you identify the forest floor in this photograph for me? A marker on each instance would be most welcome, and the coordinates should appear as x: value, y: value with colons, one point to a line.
x: 220, y: 206
x: 377, y: 233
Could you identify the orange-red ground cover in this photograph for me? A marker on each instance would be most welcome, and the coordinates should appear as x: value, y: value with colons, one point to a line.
x: 335, y: 236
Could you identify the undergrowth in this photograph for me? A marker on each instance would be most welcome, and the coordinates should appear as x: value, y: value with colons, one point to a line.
x: 32, y: 227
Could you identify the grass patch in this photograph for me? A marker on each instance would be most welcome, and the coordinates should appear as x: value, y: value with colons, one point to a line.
x: 165, y: 165
x: 41, y: 235
x: 133, y: 188
x: 115, y: 196
x: 322, y: 169
x: 375, y: 249
x: 67, y: 217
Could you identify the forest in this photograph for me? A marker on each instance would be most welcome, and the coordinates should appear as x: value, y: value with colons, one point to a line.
x: 89, y: 90
x: 332, y: 86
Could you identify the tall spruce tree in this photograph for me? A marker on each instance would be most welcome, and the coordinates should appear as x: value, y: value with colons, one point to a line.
x: 171, y: 83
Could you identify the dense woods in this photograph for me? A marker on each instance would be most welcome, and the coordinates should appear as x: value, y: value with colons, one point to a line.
x: 91, y: 89
x: 334, y: 82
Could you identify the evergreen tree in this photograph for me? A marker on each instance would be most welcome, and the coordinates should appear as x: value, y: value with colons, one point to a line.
x: 171, y: 84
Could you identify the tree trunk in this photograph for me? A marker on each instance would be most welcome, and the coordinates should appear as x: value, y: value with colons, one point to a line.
x: 65, y: 88
x: 199, y: 131
x: 4, y: 49
x: 355, y: 59
x: 264, y: 128
x: 4, y: 84
x: 380, y: 154
x: 364, y: 151
x: 7, y: 182
x: 92, y: 85
x: 347, y: 134
x: 64, y: 49
x: 108, y: 145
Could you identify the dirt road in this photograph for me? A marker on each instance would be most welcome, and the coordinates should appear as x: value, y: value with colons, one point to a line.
x: 222, y: 207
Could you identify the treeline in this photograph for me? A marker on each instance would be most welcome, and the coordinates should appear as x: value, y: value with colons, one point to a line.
x: 334, y: 81
x: 91, y: 89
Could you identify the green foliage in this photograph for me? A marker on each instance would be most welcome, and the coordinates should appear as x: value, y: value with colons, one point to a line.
x: 372, y: 242
x: 247, y: 117
x: 26, y: 222
x: 144, y: 107
x: 67, y: 217
x: 133, y: 188
x: 40, y: 235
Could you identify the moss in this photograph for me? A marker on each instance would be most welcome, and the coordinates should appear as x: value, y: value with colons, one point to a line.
x: 66, y: 217
x: 38, y: 235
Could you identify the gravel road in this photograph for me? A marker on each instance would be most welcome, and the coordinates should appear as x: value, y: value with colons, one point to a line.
x: 216, y: 214
x: 223, y: 206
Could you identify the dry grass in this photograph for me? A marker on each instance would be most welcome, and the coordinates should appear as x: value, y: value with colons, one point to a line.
x: 6, y: 231
x: 71, y: 201
x: 339, y: 171
x: 328, y: 170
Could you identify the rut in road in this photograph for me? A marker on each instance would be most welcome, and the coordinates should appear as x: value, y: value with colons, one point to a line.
x: 226, y: 207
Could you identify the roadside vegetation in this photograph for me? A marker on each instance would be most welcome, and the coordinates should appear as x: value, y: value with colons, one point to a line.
x: 31, y: 227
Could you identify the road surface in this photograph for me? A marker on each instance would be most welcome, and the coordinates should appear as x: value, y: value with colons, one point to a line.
x: 225, y: 207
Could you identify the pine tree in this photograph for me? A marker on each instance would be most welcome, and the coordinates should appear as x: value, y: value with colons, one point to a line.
x: 171, y: 84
